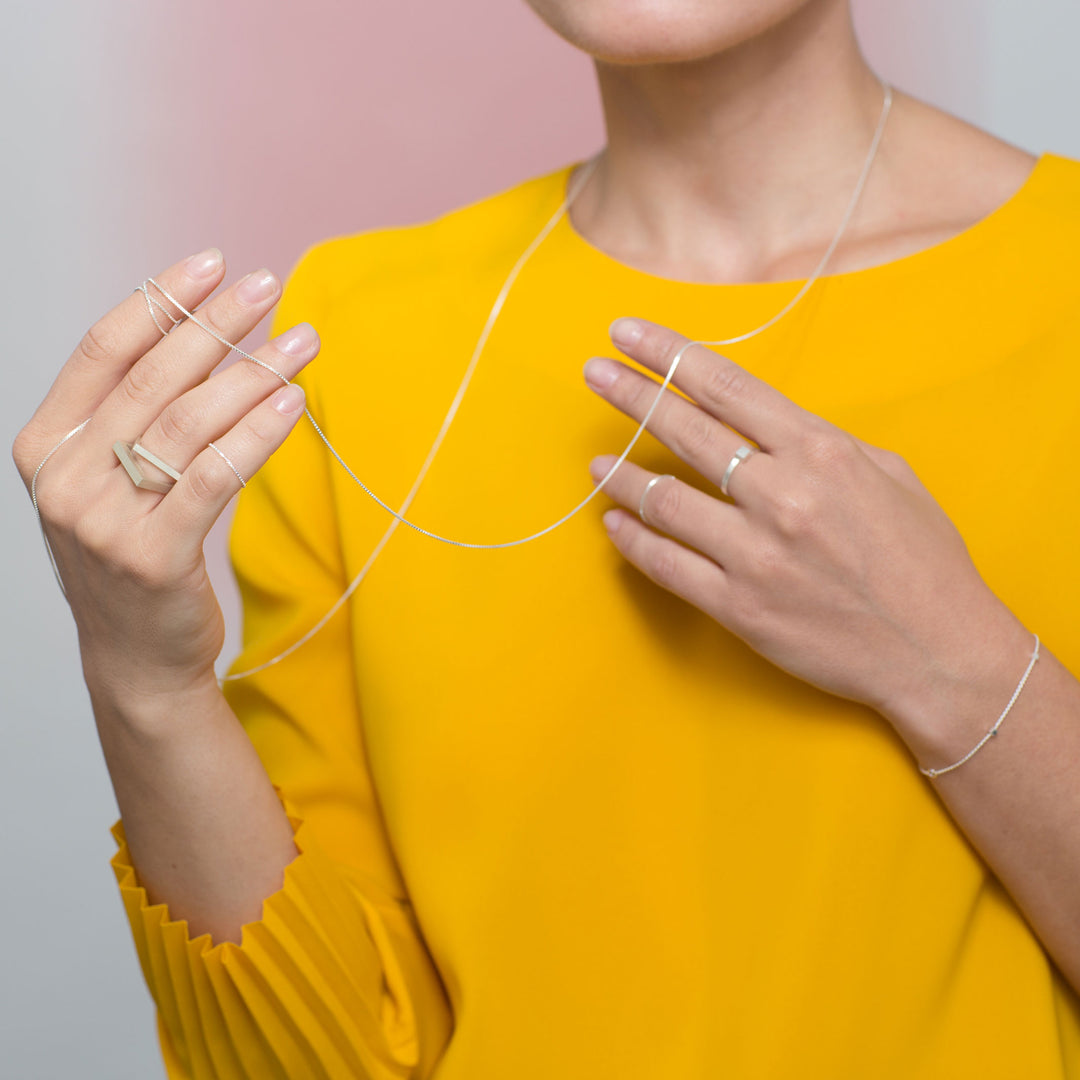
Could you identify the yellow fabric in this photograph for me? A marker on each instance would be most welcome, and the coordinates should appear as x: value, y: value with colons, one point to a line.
x: 553, y: 821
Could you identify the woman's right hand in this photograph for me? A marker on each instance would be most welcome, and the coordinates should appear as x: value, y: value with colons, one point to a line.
x: 132, y: 560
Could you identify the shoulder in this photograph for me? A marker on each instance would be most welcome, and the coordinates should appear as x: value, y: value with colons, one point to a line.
x: 400, y: 298
x: 962, y: 173
x: 1011, y: 218
x: 466, y: 243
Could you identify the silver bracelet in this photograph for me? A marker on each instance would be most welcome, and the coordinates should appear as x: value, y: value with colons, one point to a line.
x: 933, y: 773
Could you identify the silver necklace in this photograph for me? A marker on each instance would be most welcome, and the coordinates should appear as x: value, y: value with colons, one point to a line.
x: 496, y: 308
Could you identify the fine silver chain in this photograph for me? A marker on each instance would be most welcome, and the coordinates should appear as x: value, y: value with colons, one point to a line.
x: 399, y: 515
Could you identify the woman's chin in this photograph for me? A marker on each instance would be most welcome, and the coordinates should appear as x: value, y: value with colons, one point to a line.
x: 660, y: 31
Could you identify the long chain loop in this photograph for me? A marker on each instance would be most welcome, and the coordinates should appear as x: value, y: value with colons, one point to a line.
x: 496, y: 308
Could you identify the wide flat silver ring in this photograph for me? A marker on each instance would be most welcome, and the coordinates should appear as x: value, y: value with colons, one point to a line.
x: 737, y: 459
x: 168, y: 470
x: 648, y: 488
x: 125, y: 453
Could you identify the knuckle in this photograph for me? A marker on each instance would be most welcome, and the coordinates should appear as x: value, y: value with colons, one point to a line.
x: 697, y: 436
x: 204, y: 478
x: 122, y: 562
x: 220, y: 314
x: 664, y: 567
x: 666, y: 502
x: 99, y: 342
x: 22, y: 453
x: 148, y: 569
x: 896, y: 465
x: 263, y: 430
x: 53, y: 492
x: 826, y: 447
x: 665, y: 346
x: 793, y: 513
x: 633, y: 392
x: 228, y: 314
x: 657, y: 341
x: 144, y: 383
x: 92, y: 532
x: 177, y: 424
x: 254, y: 377
x: 722, y: 381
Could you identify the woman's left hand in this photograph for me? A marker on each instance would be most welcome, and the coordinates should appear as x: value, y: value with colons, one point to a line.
x: 831, y: 559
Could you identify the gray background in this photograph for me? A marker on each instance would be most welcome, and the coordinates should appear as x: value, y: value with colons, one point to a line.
x: 72, y: 1000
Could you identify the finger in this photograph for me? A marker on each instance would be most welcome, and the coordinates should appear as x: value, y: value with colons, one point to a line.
x: 722, y: 388
x: 685, y: 573
x: 115, y: 342
x: 197, y: 499
x: 181, y: 361
x: 215, y: 406
x: 688, y: 431
x: 673, y: 507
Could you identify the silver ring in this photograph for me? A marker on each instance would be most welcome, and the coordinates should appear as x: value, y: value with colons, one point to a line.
x: 168, y: 470
x: 243, y: 482
x: 151, y: 303
x: 648, y: 488
x: 738, y: 457
x: 123, y: 451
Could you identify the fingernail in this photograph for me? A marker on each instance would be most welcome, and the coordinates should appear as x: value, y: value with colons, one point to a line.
x: 205, y: 263
x: 600, y: 466
x: 258, y: 285
x: 299, y: 340
x: 600, y: 372
x: 625, y: 331
x: 612, y: 520
x: 289, y: 399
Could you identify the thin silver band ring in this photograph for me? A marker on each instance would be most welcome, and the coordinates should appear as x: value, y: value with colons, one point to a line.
x: 243, y: 482
x: 648, y: 488
x: 737, y: 459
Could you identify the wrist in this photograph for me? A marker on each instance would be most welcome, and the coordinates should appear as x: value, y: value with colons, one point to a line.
x: 141, y: 698
x: 960, y: 694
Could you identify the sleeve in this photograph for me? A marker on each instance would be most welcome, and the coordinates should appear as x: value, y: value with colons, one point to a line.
x: 334, y: 980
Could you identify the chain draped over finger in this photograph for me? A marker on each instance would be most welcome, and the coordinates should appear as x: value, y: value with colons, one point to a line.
x: 730, y: 426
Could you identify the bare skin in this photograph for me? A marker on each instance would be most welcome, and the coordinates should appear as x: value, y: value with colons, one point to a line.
x: 735, y: 134
x: 935, y: 176
x: 731, y: 158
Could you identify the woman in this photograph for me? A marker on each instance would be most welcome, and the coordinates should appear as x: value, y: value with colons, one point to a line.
x: 642, y: 800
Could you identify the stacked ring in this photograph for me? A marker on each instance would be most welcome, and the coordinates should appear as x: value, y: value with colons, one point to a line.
x: 125, y: 451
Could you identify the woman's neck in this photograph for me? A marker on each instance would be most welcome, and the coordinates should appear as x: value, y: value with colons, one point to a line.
x: 738, y: 166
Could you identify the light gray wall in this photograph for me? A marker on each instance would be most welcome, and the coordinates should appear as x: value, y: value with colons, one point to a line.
x: 72, y: 1001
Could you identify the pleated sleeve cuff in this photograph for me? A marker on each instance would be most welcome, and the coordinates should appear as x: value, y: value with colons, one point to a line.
x: 318, y: 986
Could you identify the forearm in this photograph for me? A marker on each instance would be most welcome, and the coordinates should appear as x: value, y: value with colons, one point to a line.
x: 205, y: 829
x: 1018, y: 798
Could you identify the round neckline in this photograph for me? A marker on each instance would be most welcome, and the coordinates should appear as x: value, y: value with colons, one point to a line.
x: 978, y: 231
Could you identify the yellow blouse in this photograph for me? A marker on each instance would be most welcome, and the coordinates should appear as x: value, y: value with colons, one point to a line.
x: 554, y: 822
